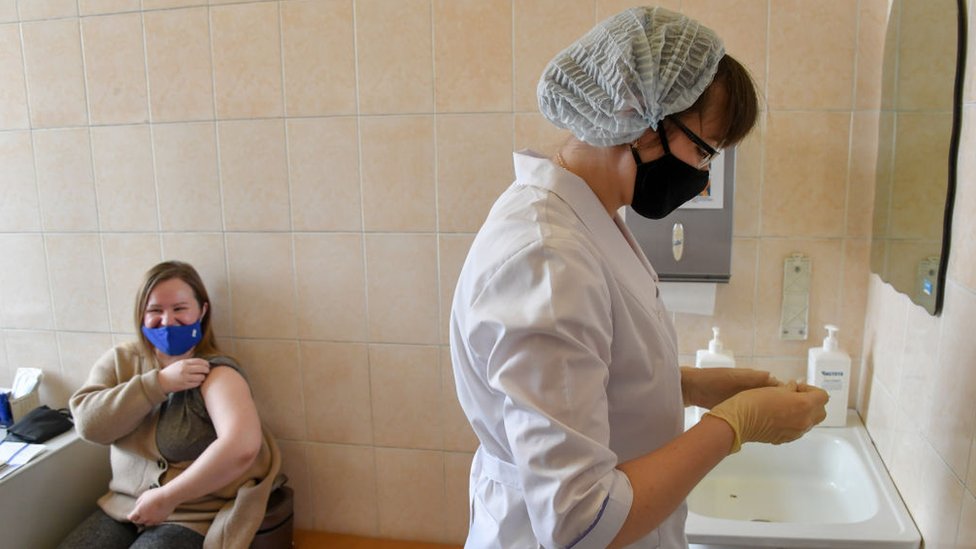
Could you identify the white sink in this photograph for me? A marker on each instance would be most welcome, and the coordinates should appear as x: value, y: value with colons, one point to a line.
x: 828, y: 489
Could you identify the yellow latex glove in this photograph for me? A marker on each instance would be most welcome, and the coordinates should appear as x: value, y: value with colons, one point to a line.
x: 706, y: 387
x: 772, y: 414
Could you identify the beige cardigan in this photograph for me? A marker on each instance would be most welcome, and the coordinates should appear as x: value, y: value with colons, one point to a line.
x: 119, y: 405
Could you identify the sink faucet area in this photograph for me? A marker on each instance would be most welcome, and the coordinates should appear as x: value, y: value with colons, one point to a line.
x: 828, y: 489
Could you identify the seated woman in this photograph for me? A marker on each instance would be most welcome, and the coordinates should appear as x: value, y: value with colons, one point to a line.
x: 191, y: 464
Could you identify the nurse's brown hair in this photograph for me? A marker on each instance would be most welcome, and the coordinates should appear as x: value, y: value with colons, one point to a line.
x: 741, y: 105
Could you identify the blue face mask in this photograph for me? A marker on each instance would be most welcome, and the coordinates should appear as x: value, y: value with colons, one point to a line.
x: 174, y: 340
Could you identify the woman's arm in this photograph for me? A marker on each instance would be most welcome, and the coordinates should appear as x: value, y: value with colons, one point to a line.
x: 235, y: 418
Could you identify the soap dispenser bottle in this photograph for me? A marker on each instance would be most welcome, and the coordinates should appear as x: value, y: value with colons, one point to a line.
x: 829, y: 368
x: 714, y: 357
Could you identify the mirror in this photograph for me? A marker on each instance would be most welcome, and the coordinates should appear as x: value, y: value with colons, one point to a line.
x: 918, y: 139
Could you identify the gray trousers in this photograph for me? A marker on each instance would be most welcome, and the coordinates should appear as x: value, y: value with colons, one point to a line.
x: 102, y: 531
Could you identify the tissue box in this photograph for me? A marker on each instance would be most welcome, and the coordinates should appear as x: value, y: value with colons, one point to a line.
x: 20, y: 406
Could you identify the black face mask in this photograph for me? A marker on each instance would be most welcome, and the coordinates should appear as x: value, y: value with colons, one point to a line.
x: 664, y: 184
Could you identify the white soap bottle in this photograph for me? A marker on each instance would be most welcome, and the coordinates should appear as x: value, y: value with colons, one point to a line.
x: 829, y: 368
x: 714, y: 357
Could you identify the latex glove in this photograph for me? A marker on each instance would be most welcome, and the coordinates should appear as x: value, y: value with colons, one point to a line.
x: 772, y: 414
x: 706, y: 387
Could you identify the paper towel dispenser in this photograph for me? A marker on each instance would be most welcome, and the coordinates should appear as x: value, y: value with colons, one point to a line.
x: 694, y: 242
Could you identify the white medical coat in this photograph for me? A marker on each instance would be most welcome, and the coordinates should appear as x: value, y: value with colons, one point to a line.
x: 566, y: 365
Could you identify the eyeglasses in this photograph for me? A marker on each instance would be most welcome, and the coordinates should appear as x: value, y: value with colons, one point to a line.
x: 705, y: 151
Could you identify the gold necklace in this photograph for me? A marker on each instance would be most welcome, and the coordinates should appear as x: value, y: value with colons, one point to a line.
x: 561, y: 161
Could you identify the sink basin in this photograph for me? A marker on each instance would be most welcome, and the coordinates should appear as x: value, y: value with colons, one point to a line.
x: 827, y: 489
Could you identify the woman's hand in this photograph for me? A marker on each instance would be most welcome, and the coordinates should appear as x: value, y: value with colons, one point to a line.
x: 706, y: 387
x: 153, y: 507
x: 183, y: 374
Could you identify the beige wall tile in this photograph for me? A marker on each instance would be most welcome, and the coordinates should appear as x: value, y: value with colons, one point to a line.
x: 888, y: 436
x: 458, y: 434
x: 39, y: 350
x: 262, y: 285
x: 884, y: 168
x: 254, y: 175
x: 205, y: 251
x: 79, y: 351
x: 97, y: 7
x: 344, y: 488
x: 13, y: 87
x: 179, y: 67
x: 405, y: 389
x: 19, y: 206
x: 853, y: 297
x: 294, y: 465
x: 804, y: 186
x: 397, y: 79
x: 806, y: 71
x: 926, y: 74
x: 331, y: 278
x: 468, y: 182
x: 918, y: 188
x: 115, y: 68
x: 748, y: 181
x: 742, y: 26
x: 319, y: 58
x: 871, y: 45
x: 533, y: 131
x: 939, y: 501
x: 564, y: 21
x: 336, y: 389
x: 247, y: 60
x: 885, y: 343
x: 825, y: 281
x: 966, y: 537
x: 323, y: 169
x: 734, y: 304
x: 186, y: 177
x: 162, y: 4
x: 398, y: 173
x: 951, y: 434
x: 863, y: 173
x: 903, y: 257
x: 64, y: 180
x: 971, y: 477
x: 916, y: 389
x: 453, y: 250
x: 127, y: 258
x: 77, y: 282
x: 24, y: 289
x: 410, y: 493
x: 962, y: 257
x: 8, y: 11
x: 6, y: 371
x: 785, y: 369
x: 401, y: 288
x: 46, y: 9
x: 275, y: 376
x: 457, y: 468
x: 473, y: 55
x: 969, y: 93
x: 55, y: 79
x: 124, y: 184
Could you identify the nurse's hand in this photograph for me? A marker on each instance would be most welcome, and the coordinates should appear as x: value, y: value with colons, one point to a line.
x: 706, y: 387
x: 772, y: 414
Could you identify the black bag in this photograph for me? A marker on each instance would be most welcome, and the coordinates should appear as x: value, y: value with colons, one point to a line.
x: 40, y: 425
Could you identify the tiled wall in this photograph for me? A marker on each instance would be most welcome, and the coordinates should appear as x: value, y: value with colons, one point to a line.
x: 919, y: 373
x: 325, y: 165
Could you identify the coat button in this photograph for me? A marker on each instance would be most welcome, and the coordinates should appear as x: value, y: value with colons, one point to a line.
x: 161, y: 463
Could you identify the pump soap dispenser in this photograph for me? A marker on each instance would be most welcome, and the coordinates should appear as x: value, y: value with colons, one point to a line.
x: 829, y: 368
x: 714, y: 357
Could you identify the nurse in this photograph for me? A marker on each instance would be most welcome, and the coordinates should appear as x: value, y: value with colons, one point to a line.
x: 565, y: 358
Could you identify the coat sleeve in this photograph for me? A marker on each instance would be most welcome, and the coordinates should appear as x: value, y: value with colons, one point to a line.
x: 543, y: 325
x: 116, y: 397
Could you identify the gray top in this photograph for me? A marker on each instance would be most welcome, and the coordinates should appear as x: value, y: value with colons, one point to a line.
x: 185, y: 429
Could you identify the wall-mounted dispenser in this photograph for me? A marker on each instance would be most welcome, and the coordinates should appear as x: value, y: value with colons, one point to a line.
x: 694, y: 242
